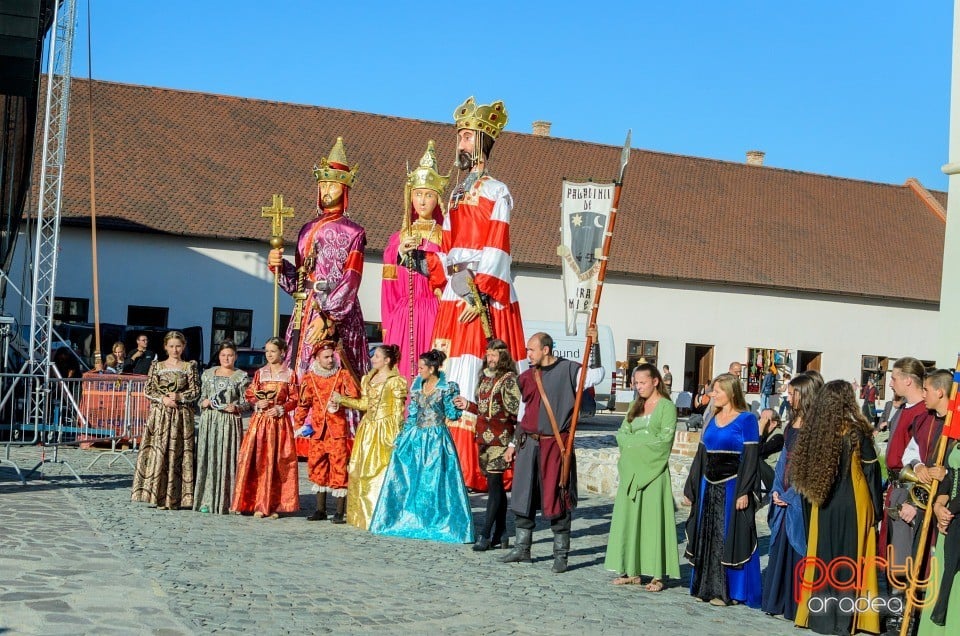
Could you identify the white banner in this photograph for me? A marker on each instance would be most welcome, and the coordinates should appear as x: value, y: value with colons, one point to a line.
x: 584, y: 213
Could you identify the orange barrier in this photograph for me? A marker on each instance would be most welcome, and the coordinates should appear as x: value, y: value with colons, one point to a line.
x: 114, y: 410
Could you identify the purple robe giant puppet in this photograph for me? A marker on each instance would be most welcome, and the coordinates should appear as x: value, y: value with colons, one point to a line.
x: 330, y: 251
x: 409, y: 297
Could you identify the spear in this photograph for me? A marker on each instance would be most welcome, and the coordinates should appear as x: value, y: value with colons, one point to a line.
x: 950, y: 431
x: 592, y: 323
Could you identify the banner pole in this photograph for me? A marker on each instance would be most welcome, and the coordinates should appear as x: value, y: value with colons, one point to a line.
x: 595, y: 309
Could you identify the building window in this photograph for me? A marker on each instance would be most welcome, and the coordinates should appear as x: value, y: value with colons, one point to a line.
x: 70, y: 309
x: 374, y: 332
x: 809, y: 361
x: 761, y: 360
x: 641, y: 351
x: 143, y: 316
x: 875, y: 367
x: 231, y: 324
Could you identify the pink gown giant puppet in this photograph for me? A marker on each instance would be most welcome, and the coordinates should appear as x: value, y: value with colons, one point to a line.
x: 409, y: 297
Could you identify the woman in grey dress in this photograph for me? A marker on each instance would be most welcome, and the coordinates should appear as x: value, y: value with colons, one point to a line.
x: 220, y: 432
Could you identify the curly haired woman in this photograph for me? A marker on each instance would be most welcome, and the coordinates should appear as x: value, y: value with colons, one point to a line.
x: 834, y: 466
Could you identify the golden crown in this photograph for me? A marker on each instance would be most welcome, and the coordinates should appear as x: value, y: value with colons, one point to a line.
x: 489, y: 119
x: 426, y: 175
x: 331, y: 168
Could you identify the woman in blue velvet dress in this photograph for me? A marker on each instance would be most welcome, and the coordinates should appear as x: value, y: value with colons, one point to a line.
x: 423, y: 495
x: 723, y: 492
x: 788, y: 528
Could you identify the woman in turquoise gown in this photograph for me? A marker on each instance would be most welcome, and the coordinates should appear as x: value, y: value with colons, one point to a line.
x: 423, y: 495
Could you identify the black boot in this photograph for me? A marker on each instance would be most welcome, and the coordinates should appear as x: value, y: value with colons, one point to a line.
x: 497, y: 511
x: 561, y: 548
x: 482, y: 544
x: 520, y: 552
x: 341, y: 510
x: 320, y: 514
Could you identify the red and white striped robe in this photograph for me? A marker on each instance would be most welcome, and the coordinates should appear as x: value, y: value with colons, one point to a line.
x: 477, y: 230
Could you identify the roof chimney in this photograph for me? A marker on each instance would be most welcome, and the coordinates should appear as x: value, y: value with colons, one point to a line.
x: 541, y: 128
x: 755, y: 157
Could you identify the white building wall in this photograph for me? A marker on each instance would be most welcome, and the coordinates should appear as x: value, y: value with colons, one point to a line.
x: 947, y: 352
x: 734, y: 320
x: 191, y: 276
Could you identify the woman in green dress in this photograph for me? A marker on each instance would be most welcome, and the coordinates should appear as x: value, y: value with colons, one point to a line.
x: 643, y: 533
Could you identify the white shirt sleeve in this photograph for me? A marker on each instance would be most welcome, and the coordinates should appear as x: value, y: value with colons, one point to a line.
x: 594, y: 376
x: 911, y: 454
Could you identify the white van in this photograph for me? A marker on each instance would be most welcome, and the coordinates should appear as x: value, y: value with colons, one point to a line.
x: 571, y: 348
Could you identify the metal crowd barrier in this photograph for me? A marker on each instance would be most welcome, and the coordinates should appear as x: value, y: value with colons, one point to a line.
x: 16, y: 392
x: 115, y: 410
x: 53, y: 412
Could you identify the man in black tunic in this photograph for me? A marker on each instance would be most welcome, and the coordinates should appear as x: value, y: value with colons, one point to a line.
x: 548, y: 390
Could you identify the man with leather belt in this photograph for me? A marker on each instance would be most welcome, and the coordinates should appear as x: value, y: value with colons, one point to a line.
x: 496, y: 406
x: 326, y: 277
x: 548, y: 390
x: 898, y: 527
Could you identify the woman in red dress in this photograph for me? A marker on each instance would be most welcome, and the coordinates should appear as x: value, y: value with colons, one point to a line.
x: 267, y: 481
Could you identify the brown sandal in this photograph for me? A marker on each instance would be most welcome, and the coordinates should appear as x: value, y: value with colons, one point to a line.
x: 656, y: 585
x: 626, y: 580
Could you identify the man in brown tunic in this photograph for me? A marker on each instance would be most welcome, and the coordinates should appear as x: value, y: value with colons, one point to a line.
x: 538, y: 455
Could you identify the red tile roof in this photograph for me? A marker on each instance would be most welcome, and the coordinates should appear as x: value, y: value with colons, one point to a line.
x: 202, y: 165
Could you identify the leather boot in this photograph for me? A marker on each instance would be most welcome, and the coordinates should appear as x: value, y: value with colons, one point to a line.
x: 341, y: 510
x: 561, y: 548
x: 482, y: 544
x: 521, y: 552
x: 320, y: 514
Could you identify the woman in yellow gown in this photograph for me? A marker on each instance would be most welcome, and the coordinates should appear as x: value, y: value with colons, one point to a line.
x: 383, y: 395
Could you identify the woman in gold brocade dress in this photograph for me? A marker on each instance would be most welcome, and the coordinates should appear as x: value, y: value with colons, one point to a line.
x: 383, y: 395
x: 164, y: 473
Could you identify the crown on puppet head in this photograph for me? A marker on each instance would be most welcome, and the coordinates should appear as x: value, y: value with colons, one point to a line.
x: 488, y: 119
x: 335, y: 167
x: 426, y: 175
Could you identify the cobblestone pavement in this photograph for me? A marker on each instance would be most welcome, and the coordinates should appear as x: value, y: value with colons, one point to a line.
x: 81, y: 558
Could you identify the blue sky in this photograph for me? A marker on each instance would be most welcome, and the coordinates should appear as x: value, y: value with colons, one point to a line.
x: 853, y: 88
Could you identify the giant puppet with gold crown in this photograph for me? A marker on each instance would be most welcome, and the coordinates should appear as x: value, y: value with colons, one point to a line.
x: 410, y: 297
x: 478, y: 302
x: 325, y: 280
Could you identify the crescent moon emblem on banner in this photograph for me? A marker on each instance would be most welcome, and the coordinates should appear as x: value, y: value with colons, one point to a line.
x: 596, y: 221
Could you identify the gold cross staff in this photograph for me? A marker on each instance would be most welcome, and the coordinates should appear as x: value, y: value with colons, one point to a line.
x: 276, y: 213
